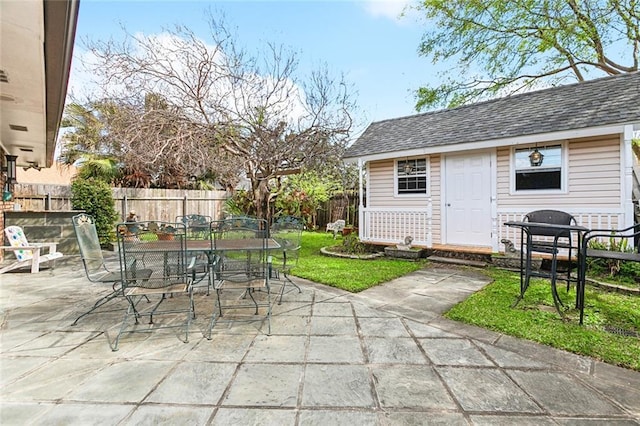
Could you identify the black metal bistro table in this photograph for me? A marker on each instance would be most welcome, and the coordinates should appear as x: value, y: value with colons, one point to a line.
x: 554, y: 232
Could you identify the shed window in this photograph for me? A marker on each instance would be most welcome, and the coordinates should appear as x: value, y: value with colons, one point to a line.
x: 545, y: 176
x: 412, y: 176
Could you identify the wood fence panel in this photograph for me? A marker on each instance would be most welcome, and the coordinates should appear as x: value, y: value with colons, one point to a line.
x: 149, y: 204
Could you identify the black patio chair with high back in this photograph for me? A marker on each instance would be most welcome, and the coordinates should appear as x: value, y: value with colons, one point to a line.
x: 168, y: 283
x: 549, y: 241
x: 198, y: 228
x: 287, y: 231
x: 93, y: 261
x: 241, y: 273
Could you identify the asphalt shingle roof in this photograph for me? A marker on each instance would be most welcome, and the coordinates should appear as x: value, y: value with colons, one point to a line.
x: 601, y: 102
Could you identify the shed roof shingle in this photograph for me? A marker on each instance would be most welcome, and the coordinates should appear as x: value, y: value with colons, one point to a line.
x: 601, y: 102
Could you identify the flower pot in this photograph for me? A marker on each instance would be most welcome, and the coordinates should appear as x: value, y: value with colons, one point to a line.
x: 163, y: 236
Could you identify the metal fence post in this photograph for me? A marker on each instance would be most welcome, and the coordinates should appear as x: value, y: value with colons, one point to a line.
x: 125, y: 210
x: 184, y: 205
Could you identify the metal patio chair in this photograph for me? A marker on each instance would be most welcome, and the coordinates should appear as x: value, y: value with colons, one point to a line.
x: 93, y: 261
x: 549, y: 241
x: 241, y: 273
x: 198, y: 228
x: 156, y: 267
x: 287, y: 231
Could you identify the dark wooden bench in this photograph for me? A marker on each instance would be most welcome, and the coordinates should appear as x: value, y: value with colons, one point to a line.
x: 632, y: 253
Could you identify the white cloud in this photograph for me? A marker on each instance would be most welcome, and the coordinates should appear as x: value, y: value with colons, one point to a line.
x: 390, y: 9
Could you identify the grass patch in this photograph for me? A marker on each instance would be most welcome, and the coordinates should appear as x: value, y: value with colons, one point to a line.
x: 535, y: 318
x: 352, y: 275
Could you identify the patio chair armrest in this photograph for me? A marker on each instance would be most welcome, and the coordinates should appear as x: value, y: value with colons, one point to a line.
x: 33, y: 247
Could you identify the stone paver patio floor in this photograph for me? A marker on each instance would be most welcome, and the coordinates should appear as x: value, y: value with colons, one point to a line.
x: 381, y: 357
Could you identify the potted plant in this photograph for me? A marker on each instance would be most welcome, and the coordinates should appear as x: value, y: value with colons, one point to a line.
x: 348, y: 230
x: 166, y: 232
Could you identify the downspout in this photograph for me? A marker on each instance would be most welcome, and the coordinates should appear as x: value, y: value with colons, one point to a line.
x: 626, y: 190
x: 361, y: 224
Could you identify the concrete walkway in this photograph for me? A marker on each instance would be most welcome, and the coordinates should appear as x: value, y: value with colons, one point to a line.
x: 381, y: 357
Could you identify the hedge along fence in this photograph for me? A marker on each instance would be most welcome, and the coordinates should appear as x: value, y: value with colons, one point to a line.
x: 149, y: 204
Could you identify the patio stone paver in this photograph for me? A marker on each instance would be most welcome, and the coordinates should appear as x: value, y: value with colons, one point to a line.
x: 418, y: 418
x: 168, y: 415
x: 332, y: 308
x: 487, y: 389
x: 394, y: 350
x: 338, y: 418
x: 336, y: 385
x: 551, y: 390
x: 87, y: 414
x: 335, y: 349
x: 274, y: 385
x: 454, y: 352
x: 240, y: 416
x: 383, y: 327
x: 511, y: 420
x: 127, y: 381
x: 53, y: 380
x: 277, y: 349
x: 193, y: 383
x: 333, y: 326
x: 409, y: 386
x: 384, y: 356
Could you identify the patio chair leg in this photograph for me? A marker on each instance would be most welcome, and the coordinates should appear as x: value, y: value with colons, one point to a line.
x: 98, y: 304
x: 284, y: 283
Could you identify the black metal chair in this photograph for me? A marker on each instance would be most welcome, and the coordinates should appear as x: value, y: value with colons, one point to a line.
x: 287, y: 231
x: 547, y: 240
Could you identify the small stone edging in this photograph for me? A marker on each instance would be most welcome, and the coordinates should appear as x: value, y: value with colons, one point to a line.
x: 327, y: 252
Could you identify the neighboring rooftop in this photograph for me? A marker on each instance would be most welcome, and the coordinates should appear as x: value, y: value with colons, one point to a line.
x: 602, y: 102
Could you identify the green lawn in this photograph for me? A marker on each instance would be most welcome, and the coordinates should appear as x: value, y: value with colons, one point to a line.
x: 534, y: 318
x: 353, y: 275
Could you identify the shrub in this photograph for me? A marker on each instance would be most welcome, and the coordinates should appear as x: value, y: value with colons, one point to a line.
x: 95, y: 198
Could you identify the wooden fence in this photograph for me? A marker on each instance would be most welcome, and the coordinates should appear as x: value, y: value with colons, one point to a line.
x: 166, y: 204
x: 156, y: 204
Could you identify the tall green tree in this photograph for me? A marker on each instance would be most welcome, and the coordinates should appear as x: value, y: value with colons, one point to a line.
x: 502, y: 47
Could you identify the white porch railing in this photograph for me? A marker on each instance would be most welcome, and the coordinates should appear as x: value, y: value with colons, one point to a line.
x: 387, y: 225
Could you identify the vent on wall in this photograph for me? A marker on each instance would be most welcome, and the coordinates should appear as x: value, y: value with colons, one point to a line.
x: 18, y: 128
x: 4, y: 78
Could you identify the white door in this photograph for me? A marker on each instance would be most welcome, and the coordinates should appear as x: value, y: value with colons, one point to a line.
x: 467, y: 201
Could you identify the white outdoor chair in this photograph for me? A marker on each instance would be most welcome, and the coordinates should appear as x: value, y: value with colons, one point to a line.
x: 28, y: 254
x: 336, y: 227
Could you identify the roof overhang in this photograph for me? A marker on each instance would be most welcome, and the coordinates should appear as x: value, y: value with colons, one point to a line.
x: 37, y: 40
x: 494, y: 143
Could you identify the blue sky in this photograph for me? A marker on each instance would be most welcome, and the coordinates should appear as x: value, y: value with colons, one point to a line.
x: 364, y: 39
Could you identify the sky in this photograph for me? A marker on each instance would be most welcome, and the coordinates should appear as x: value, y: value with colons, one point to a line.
x: 366, y: 40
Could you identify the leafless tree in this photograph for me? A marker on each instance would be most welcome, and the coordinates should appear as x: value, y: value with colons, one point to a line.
x: 223, y: 109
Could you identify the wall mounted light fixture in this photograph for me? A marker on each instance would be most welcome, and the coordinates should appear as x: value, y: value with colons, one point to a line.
x: 10, y: 177
x: 535, y: 158
x: 10, y: 169
x: 408, y: 168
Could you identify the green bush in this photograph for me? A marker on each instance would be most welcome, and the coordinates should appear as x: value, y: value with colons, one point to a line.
x: 95, y: 198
